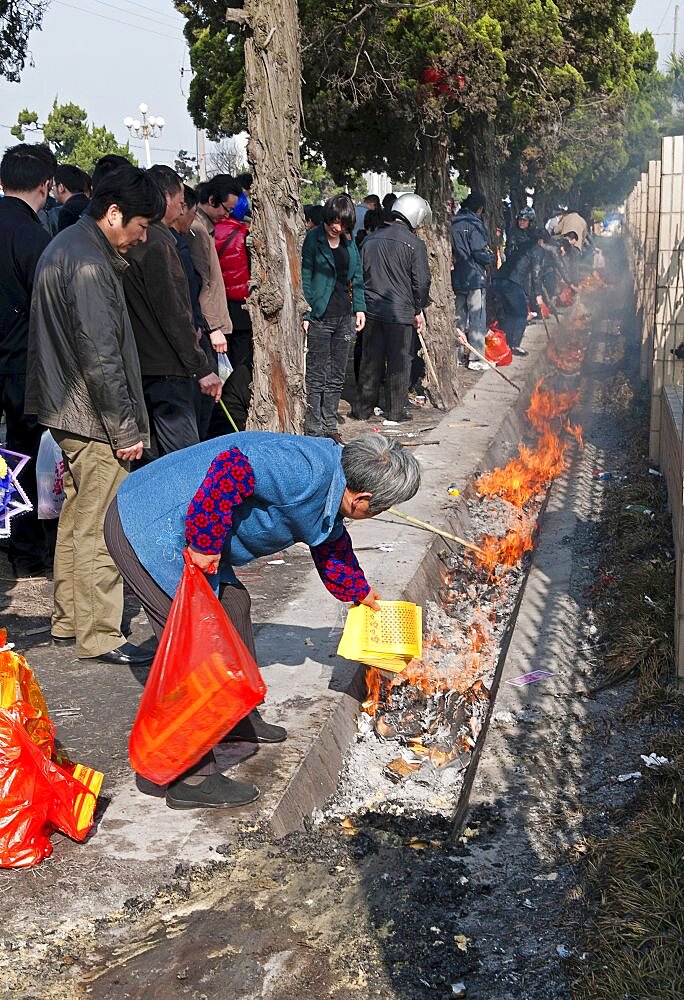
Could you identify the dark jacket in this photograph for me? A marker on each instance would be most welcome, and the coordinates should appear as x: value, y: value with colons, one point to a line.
x: 396, y: 274
x: 22, y: 241
x: 553, y: 263
x: 83, y: 375
x: 160, y: 310
x: 319, y: 273
x: 524, y: 268
x: 470, y: 255
x: 72, y: 210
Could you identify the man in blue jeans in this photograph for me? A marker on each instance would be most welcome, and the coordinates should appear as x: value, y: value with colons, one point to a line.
x: 471, y: 257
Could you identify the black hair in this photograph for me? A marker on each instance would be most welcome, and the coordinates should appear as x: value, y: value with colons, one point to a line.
x: 388, y: 201
x: 106, y: 164
x: 373, y: 219
x: 27, y: 166
x: 474, y: 201
x: 135, y: 192
x: 374, y: 200
x: 572, y: 235
x: 565, y: 246
x: 340, y: 208
x: 166, y: 177
x: 218, y: 189
x: 245, y: 181
x: 189, y: 196
x: 314, y: 213
x: 72, y: 178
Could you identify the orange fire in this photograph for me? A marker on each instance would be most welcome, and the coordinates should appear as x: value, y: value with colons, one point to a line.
x: 567, y: 357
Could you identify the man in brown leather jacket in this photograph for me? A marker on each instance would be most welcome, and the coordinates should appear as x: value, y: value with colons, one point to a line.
x: 83, y: 382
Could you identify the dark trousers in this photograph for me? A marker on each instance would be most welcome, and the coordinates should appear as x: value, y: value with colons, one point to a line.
x: 234, y: 598
x: 327, y: 350
x: 511, y: 309
x: 28, y: 544
x: 172, y: 407
x: 236, y: 396
x: 387, y: 351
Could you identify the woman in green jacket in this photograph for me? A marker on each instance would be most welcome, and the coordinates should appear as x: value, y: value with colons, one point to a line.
x: 333, y: 286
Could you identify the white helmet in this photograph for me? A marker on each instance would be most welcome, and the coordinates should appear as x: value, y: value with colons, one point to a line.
x: 413, y: 209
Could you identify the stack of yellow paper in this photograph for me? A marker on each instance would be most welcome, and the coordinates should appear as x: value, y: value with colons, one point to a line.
x: 387, y: 639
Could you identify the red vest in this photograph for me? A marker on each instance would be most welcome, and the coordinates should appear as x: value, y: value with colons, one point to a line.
x: 230, y: 236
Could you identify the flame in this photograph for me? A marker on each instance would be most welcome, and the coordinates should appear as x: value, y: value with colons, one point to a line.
x: 506, y: 551
x: 373, y: 688
x: 566, y: 358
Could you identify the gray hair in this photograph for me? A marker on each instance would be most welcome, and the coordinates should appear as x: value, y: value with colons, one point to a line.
x: 378, y: 465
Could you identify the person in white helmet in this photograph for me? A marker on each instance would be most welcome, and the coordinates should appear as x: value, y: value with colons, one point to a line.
x: 396, y: 276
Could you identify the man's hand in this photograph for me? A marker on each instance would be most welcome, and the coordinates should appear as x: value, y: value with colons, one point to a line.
x: 371, y: 600
x: 461, y: 337
x: 540, y: 300
x: 131, y: 454
x: 207, y: 562
x: 305, y: 325
x: 360, y: 321
x: 211, y: 385
x: 419, y: 322
x: 218, y: 341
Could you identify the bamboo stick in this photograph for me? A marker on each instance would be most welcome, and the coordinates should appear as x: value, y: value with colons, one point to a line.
x: 436, y: 531
x: 464, y: 341
x: 227, y: 413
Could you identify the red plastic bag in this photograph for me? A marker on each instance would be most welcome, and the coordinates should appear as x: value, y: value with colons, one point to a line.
x: 496, y: 347
x: 37, y: 795
x: 202, y: 682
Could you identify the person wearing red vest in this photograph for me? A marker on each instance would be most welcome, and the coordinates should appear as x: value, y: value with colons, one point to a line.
x: 231, y: 245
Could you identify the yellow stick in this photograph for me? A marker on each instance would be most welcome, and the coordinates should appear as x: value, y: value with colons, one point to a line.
x: 227, y: 413
x: 436, y: 531
x: 464, y: 340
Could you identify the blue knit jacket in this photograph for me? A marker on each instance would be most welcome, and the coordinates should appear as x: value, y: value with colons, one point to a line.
x: 299, y: 483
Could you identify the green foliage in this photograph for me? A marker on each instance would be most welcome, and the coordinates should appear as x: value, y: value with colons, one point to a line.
x: 17, y: 19
x: 318, y: 184
x: 70, y: 137
x: 185, y: 166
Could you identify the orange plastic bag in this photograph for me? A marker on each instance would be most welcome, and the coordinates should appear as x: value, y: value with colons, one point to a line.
x: 202, y: 682
x: 38, y: 795
x: 496, y: 347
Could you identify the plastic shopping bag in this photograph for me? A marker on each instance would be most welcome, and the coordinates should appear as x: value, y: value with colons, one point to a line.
x: 50, y: 478
x: 40, y: 789
x: 202, y: 682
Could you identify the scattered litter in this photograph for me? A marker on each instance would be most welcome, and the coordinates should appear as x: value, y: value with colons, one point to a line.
x: 462, y: 942
x: 529, y: 905
x: 458, y: 989
x: 531, y: 678
x: 276, y: 562
x: 390, y: 423
x: 453, y: 491
x: 636, y: 508
x: 384, y: 547
x: 564, y: 951
x: 632, y: 776
x: 652, y: 604
x: 377, y: 412
x: 550, y: 877
x: 609, y: 475
x: 37, y: 631
x: 308, y: 642
x: 504, y: 719
x: 652, y: 760
x: 655, y: 472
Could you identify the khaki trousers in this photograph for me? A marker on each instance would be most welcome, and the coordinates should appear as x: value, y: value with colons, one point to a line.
x: 88, y: 586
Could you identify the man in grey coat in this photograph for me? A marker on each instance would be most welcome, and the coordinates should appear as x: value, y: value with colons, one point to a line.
x: 84, y: 383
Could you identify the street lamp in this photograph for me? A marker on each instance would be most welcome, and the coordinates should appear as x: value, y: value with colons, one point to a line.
x: 149, y: 128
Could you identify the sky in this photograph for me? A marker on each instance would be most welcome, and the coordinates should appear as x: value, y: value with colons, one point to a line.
x: 108, y: 56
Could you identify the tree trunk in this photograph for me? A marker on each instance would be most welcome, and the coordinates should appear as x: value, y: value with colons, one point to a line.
x: 276, y: 304
x: 433, y: 184
x: 485, y: 174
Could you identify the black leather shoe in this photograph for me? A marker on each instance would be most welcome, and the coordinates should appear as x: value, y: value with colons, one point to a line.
x: 253, y: 729
x: 63, y: 640
x: 127, y: 654
x: 519, y: 352
x: 215, y: 792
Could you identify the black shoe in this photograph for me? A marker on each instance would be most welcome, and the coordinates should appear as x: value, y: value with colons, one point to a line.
x: 519, y: 352
x: 25, y: 571
x: 127, y: 654
x: 63, y: 640
x: 359, y: 416
x: 215, y: 792
x: 402, y: 418
x: 253, y: 729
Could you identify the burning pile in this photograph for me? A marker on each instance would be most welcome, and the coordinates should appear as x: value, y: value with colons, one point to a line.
x: 437, y: 706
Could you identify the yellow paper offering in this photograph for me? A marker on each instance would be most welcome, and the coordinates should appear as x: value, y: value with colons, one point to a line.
x: 387, y: 639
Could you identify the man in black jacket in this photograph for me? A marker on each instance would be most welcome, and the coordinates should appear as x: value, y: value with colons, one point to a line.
x: 171, y: 361
x: 396, y: 276
x: 520, y: 276
x: 71, y: 194
x: 26, y: 174
x: 471, y: 258
x: 84, y: 384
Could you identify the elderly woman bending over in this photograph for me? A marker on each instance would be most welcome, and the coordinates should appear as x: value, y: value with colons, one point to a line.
x: 237, y: 498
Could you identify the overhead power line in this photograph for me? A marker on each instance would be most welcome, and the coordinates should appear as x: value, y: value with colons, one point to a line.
x: 114, y: 20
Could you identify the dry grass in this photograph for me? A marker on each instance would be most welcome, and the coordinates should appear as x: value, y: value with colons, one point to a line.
x: 634, y: 890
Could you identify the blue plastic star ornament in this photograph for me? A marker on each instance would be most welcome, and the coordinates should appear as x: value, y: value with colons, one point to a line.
x: 13, y: 499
